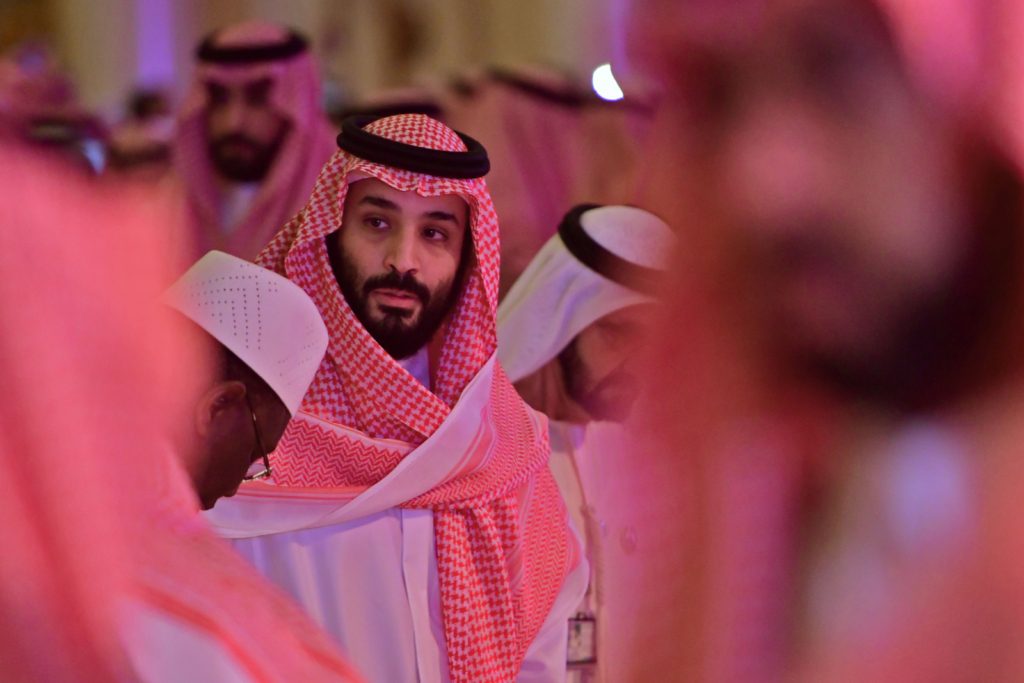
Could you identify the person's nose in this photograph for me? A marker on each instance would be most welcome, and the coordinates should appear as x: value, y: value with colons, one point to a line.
x: 401, y: 254
x: 234, y: 114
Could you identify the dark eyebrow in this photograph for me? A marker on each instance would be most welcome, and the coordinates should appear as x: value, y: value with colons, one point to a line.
x: 388, y: 205
x: 265, y: 82
x: 441, y: 216
x: 380, y: 203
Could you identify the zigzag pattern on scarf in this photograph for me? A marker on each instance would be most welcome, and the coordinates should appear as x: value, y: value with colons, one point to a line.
x: 311, y: 456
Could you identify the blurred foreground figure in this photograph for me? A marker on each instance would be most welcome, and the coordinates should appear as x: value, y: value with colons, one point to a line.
x: 252, y: 136
x: 860, y: 239
x: 108, y: 573
x: 65, y: 365
x: 570, y: 336
x: 412, y: 511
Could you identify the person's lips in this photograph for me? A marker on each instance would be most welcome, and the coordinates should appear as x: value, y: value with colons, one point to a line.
x: 395, y: 297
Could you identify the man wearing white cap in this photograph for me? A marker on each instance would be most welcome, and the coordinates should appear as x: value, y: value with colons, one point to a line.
x: 252, y: 136
x: 569, y: 334
x: 197, y: 609
x: 267, y: 340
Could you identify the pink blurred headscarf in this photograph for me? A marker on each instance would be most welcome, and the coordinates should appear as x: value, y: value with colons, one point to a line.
x: 536, y: 147
x: 724, y: 492
x: 78, y: 416
x: 98, y: 514
x: 297, y: 95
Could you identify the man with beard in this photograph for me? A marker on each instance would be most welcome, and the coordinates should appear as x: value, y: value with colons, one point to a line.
x: 570, y: 334
x: 252, y: 136
x: 842, y: 187
x: 411, y: 509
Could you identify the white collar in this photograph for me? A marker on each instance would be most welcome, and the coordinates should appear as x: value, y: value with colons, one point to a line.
x: 418, y: 365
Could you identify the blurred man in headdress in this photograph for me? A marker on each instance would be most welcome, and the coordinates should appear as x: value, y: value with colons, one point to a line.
x: 571, y: 333
x: 531, y: 121
x: 858, y: 213
x: 252, y: 136
x: 554, y: 144
x: 393, y: 101
x: 412, y: 511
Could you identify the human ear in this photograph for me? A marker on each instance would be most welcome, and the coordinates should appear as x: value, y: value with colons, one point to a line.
x: 215, y: 402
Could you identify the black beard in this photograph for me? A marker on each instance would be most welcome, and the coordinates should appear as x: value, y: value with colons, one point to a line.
x: 396, y: 335
x: 235, y: 169
x: 943, y: 342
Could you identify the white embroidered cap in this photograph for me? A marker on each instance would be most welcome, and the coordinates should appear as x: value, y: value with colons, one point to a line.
x: 263, y: 318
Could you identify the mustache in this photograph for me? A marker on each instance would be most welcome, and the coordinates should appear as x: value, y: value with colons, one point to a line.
x: 240, y: 139
x: 807, y: 246
x: 392, y: 280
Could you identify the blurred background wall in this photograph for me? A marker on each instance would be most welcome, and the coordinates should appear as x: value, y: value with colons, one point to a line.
x: 111, y: 46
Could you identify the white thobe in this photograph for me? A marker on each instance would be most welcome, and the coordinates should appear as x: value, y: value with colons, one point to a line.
x: 584, y: 462
x: 237, y: 200
x: 372, y: 584
x: 906, y: 509
x: 371, y: 581
x: 165, y: 649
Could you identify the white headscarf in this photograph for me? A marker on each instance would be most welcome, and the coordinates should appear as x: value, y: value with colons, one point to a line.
x: 558, y: 296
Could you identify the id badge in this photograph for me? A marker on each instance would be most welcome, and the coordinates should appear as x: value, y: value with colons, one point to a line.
x: 582, y: 640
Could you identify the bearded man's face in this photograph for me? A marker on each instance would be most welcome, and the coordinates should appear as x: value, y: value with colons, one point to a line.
x: 398, y: 258
x: 244, y: 131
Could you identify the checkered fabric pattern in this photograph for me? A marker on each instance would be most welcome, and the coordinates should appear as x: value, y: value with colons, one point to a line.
x: 503, y: 547
x: 359, y: 384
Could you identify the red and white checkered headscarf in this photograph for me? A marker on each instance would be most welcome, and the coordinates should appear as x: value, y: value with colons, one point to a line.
x: 503, y: 548
x: 296, y: 94
x: 359, y: 384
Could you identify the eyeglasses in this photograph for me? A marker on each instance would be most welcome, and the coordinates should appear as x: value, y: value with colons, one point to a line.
x: 255, y: 473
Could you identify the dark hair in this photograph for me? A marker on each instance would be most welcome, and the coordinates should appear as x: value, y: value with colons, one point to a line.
x: 235, y: 369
